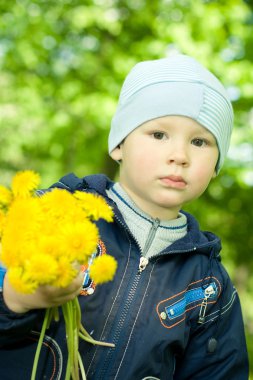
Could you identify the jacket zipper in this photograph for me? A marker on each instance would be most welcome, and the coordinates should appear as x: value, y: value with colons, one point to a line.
x: 125, y: 226
x: 104, y: 367
x: 102, y: 372
x: 143, y: 259
x: 209, y: 291
x: 142, y: 265
x: 194, y: 295
x: 151, y: 236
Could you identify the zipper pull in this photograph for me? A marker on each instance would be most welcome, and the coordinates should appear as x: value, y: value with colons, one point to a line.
x: 142, y: 265
x: 202, y: 312
x: 209, y: 291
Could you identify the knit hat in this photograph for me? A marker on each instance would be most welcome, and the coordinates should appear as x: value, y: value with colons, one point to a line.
x: 179, y: 86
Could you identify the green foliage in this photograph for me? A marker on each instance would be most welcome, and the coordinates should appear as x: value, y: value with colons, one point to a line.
x: 62, y: 65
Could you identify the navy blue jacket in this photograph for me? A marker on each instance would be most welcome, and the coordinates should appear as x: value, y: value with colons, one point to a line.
x: 179, y: 318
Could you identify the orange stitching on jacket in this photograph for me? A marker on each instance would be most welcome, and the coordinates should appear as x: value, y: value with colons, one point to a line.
x: 186, y: 310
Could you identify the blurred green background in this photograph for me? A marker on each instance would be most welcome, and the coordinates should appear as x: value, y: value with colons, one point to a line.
x: 62, y: 64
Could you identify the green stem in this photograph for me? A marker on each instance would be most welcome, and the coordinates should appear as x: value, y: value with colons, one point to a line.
x: 56, y: 314
x: 74, y: 329
x: 51, y: 316
x: 68, y: 338
x: 97, y: 342
x: 40, y: 342
x: 70, y: 317
x: 75, y: 339
x: 81, y: 367
x: 86, y: 336
x: 78, y: 312
x: 77, y: 320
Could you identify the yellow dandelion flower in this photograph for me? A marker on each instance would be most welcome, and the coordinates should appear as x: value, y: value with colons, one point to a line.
x: 103, y: 269
x: 95, y: 206
x: 14, y: 245
x: 49, y: 244
x: 5, y: 196
x: 79, y: 240
x: 23, y: 219
x: 66, y: 273
x: 58, y: 203
x: 41, y: 268
x: 48, y: 227
x: 77, y: 215
x: 45, y: 240
x: 20, y: 282
x: 30, y: 250
x: 25, y: 182
x: 25, y: 211
x: 8, y: 256
x: 2, y: 222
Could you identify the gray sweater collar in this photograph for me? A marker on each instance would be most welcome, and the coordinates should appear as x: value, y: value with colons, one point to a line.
x: 151, y: 234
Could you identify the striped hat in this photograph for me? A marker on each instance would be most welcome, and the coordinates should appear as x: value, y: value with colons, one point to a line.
x: 180, y: 86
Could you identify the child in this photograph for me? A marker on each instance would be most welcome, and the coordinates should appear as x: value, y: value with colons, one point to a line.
x: 171, y: 310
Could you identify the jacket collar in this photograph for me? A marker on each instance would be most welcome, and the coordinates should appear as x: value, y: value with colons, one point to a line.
x: 194, y: 240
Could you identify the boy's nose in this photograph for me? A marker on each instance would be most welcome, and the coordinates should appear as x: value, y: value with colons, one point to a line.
x: 178, y: 154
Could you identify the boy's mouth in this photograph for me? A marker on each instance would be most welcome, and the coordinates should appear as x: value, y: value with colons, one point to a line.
x: 174, y: 181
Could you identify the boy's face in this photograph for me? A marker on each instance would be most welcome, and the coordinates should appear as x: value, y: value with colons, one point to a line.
x: 165, y: 163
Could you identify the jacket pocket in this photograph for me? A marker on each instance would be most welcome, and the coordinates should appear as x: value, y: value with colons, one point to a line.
x: 198, y: 295
x: 17, y: 360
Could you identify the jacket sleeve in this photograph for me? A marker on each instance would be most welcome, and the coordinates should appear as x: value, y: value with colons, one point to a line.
x: 13, y: 326
x: 217, y: 349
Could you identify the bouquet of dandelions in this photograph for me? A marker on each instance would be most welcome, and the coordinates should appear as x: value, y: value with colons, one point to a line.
x: 30, y: 221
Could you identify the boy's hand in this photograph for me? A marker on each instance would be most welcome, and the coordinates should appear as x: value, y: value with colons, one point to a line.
x: 45, y: 296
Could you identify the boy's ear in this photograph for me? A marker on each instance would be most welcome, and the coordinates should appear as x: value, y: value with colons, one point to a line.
x: 116, y: 154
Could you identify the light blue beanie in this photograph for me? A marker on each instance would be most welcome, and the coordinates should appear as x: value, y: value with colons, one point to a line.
x: 180, y: 86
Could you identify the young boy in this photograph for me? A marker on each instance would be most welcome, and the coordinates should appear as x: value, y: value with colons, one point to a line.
x: 171, y: 310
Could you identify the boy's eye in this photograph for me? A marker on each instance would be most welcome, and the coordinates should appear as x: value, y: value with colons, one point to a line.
x: 159, y: 135
x: 199, y: 142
